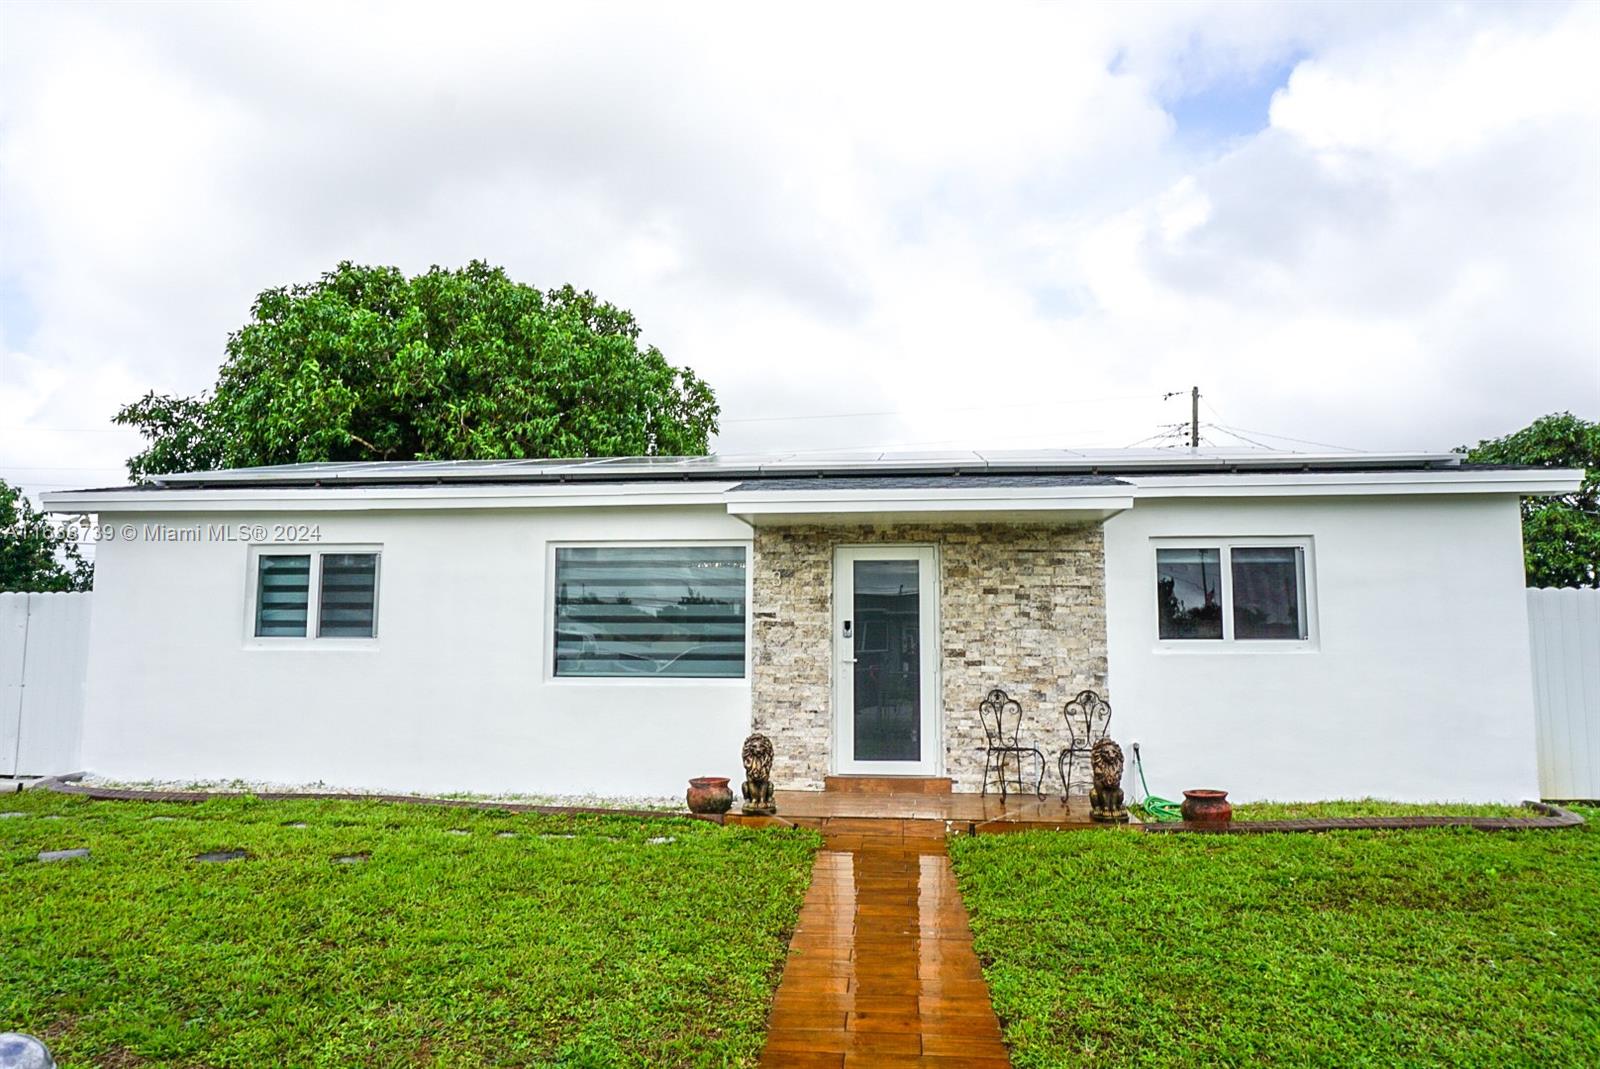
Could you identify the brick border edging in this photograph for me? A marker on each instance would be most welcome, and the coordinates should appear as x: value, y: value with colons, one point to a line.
x: 1555, y: 817
x: 64, y: 785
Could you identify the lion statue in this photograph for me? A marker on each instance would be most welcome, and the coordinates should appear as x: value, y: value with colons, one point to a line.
x: 757, y: 786
x: 1105, y: 799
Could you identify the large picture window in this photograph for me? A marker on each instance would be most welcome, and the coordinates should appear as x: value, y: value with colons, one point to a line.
x: 665, y: 611
x: 1227, y: 592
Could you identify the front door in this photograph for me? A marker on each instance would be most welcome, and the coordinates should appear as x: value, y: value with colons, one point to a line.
x: 885, y: 648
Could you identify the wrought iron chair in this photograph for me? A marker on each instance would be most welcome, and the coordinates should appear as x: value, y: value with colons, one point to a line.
x: 1081, y: 713
x: 1002, y: 724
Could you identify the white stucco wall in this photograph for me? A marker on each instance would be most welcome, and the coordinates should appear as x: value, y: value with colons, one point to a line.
x: 1417, y: 687
x: 454, y: 695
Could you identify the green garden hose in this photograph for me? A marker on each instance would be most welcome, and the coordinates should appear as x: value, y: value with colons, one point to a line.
x: 1160, y: 810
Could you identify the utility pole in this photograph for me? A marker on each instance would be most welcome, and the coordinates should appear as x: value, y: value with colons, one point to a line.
x: 1194, y: 416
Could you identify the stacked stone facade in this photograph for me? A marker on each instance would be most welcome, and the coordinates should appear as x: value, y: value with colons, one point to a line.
x: 1022, y: 607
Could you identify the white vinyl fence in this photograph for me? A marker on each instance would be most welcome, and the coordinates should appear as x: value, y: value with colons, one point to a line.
x: 44, y: 642
x: 1564, y: 627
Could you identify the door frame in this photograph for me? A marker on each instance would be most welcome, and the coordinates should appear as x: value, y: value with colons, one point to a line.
x: 929, y: 647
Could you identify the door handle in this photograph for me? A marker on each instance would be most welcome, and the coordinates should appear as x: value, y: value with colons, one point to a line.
x: 847, y: 660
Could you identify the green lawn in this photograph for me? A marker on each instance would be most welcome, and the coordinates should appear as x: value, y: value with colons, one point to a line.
x: 575, y: 941
x: 1436, y: 947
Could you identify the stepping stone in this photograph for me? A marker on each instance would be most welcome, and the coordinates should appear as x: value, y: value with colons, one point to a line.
x: 221, y: 855
x: 297, y: 824
x: 51, y: 816
x: 163, y: 820
x: 547, y: 835
x: 659, y: 839
x: 352, y: 859
x: 62, y: 855
x: 505, y: 835
x: 7, y: 816
x: 19, y: 1051
x: 458, y: 831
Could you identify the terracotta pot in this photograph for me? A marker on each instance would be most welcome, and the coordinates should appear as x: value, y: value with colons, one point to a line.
x: 1207, y: 807
x: 709, y: 794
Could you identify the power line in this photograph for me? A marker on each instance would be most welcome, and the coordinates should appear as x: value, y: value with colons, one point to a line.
x: 1150, y: 438
x: 938, y: 411
x: 1236, y: 434
x: 1287, y: 438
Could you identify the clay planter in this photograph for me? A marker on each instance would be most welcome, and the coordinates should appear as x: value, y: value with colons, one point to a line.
x: 709, y: 794
x: 1207, y: 807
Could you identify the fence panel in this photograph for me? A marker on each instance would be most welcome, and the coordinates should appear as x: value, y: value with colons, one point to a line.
x: 1564, y: 628
x: 44, y: 645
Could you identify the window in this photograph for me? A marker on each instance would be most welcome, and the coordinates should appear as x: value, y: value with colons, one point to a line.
x: 349, y: 599
x: 1267, y: 585
x: 1190, y: 585
x: 337, y: 590
x: 283, y: 592
x: 674, y: 611
x: 1232, y: 592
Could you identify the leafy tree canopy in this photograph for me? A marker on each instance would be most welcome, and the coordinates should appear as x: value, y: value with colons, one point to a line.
x: 367, y: 364
x: 1560, y: 535
x: 36, y: 555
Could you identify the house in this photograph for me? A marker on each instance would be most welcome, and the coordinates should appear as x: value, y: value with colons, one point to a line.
x: 1278, y: 624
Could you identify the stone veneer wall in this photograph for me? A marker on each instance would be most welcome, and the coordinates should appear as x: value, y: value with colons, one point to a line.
x: 1022, y: 607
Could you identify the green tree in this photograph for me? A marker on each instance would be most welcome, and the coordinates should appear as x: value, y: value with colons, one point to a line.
x: 1560, y: 535
x: 35, y: 554
x: 367, y: 364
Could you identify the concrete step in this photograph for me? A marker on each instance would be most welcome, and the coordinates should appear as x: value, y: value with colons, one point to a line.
x: 888, y: 784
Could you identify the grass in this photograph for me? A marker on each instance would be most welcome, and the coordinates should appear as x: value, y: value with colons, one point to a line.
x: 573, y: 942
x: 1434, y: 947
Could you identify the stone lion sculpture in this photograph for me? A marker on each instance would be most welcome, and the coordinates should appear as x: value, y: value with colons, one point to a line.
x: 1105, y: 799
x: 757, y: 786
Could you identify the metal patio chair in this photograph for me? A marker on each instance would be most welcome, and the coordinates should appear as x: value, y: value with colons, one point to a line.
x: 1002, y: 724
x: 1081, y: 713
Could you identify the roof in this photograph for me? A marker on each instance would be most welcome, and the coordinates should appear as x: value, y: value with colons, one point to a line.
x: 791, y: 465
x: 797, y: 484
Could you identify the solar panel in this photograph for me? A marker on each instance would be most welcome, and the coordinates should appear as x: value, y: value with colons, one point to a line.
x: 796, y: 463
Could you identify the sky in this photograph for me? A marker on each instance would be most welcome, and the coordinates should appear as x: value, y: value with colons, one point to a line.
x: 1370, y: 226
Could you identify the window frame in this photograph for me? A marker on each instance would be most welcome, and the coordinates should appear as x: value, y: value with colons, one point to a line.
x: 1228, y: 643
x: 311, y: 639
x: 552, y: 586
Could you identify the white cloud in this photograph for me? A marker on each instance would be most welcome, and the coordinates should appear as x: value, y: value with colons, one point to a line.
x: 982, y: 220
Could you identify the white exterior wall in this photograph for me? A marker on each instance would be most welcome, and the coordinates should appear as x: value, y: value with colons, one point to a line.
x: 1417, y: 687
x: 454, y: 695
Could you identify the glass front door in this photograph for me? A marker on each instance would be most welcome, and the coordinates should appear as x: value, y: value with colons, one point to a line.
x: 883, y: 609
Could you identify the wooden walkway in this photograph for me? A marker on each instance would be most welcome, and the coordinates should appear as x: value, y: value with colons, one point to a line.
x: 881, y: 970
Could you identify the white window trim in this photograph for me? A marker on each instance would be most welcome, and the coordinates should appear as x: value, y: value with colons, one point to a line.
x: 310, y: 640
x: 1227, y: 643
x: 549, y: 621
